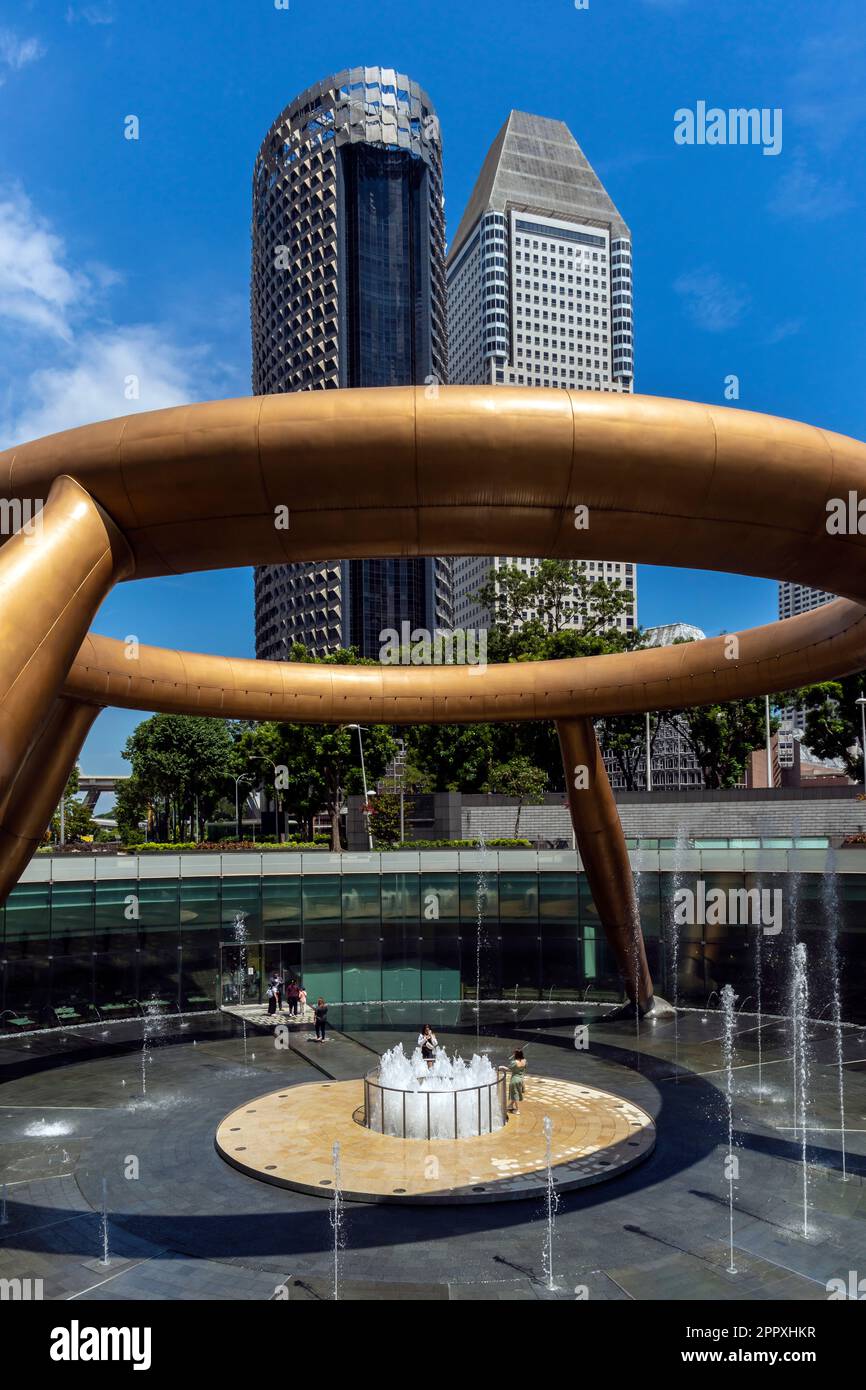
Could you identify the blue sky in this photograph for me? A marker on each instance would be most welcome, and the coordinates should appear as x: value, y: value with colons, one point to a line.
x: 120, y: 257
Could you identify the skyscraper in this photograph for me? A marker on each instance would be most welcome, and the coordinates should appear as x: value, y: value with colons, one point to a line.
x: 799, y: 598
x: 348, y: 289
x: 539, y: 294
x: 794, y: 599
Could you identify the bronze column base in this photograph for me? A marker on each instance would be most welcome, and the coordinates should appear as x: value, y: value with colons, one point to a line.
x: 603, y: 853
x: 40, y: 784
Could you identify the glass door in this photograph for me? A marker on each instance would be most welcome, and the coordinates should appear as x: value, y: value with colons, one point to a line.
x: 241, y: 979
x: 284, y: 957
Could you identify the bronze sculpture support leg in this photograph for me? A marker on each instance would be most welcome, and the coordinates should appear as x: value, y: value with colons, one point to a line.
x: 603, y: 853
x: 54, y: 573
x: 40, y: 784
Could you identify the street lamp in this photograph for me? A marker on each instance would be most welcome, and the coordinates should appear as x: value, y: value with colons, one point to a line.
x: 862, y: 703
x: 261, y: 758
x: 769, y: 740
x: 364, y: 780
x: 242, y: 777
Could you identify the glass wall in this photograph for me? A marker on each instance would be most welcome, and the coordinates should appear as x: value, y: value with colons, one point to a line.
x: 77, y: 951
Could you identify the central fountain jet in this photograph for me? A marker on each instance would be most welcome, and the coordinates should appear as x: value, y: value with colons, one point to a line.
x: 449, y: 1099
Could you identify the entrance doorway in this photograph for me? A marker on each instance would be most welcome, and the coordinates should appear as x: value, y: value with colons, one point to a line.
x: 285, y: 958
x: 244, y: 972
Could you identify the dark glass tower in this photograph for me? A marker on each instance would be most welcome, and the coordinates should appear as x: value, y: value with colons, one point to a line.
x: 348, y: 289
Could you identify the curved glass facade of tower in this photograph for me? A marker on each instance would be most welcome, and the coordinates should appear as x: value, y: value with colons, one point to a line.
x: 348, y: 289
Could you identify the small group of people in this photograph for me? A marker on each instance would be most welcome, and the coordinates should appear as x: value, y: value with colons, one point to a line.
x: 428, y: 1043
x: 296, y: 995
x: 296, y: 998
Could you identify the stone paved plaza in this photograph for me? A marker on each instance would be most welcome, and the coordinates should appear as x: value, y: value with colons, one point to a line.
x: 183, y: 1224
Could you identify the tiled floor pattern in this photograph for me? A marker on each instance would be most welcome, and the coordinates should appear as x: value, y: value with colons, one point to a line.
x: 185, y: 1224
x: 287, y: 1138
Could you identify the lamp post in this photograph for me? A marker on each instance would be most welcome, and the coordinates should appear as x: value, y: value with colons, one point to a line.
x: 769, y: 741
x: 242, y: 777
x: 364, y: 781
x: 862, y: 703
x: 261, y: 757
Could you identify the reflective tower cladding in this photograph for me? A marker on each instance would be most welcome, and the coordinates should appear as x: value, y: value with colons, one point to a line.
x: 539, y: 294
x: 348, y: 289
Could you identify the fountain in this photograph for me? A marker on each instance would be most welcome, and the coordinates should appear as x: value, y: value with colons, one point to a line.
x: 337, y: 1219
x: 105, y: 1256
x: 830, y: 906
x: 799, y: 1023
x: 680, y: 849
x: 636, y: 942
x: 552, y: 1206
x: 451, y: 1099
x: 480, y: 904
x: 729, y: 1000
x: 759, y: 984
x: 239, y: 928
x: 151, y: 1024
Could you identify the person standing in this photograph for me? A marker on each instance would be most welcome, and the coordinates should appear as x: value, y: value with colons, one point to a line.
x: 273, y: 993
x: 302, y: 999
x: 428, y: 1044
x: 516, y: 1078
x: 293, y: 994
x: 321, y: 1020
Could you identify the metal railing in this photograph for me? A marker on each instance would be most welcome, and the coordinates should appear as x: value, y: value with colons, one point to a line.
x: 436, y: 1114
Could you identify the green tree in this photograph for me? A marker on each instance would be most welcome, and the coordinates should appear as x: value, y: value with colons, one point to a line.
x: 77, y: 816
x: 180, y: 764
x: 834, y: 724
x: 385, y: 818
x: 722, y: 737
x: 559, y: 594
x: 624, y: 739
x: 519, y: 778
x: 452, y: 757
x: 317, y: 765
x: 131, y: 807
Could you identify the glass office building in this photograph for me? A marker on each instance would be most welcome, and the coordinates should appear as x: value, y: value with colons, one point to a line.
x: 91, y: 936
x: 348, y: 290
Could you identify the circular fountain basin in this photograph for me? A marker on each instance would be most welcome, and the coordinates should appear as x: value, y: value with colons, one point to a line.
x: 427, y: 1112
x: 287, y: 1138
x: 449, y: 1099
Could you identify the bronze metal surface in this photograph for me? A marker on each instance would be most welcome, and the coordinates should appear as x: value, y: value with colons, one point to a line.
x: 53, y: 577
x: 39, y: 786
x: 403, y: 471
x: 603, y: 852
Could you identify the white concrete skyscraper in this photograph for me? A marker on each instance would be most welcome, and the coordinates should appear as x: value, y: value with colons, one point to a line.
x: 799, y: 598
x: 539, y: 294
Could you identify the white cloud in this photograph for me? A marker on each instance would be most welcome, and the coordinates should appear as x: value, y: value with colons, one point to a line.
x: 16, y: 53
x: 93, y: 381
x: 91, y: 14
x: 713, y: 303
x: 828, y: 99
x: 37, y: 290
x: 788, y: 328
x: 71, y: 366
x: 800, y: 192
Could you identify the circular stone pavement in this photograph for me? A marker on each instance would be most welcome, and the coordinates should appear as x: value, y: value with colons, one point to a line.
x: 286, y: 1137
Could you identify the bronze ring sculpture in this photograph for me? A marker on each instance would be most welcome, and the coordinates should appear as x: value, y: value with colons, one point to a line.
x: 394, y: 471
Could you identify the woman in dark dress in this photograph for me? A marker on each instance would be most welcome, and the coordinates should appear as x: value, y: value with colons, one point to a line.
x: 321, y: 1020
